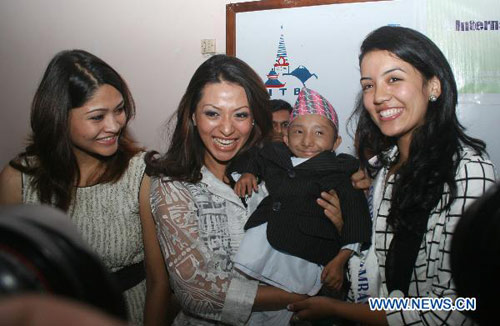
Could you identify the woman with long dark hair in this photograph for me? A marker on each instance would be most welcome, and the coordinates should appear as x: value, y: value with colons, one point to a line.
x: 427, y: 170
x: 199, y: 218
x: 81, y: 159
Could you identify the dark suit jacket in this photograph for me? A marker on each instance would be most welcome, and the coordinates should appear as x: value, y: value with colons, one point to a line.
x: 296, y: 223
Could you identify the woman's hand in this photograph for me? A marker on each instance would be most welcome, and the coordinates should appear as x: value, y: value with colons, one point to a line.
x: 330, y: 202
x: 361, y: 180
x: 269, y: 298
x: 322, y: 307
x: 312, y: 308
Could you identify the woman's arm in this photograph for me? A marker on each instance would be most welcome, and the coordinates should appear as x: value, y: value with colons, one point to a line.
x: 10, y: 186
x: 269, y: 298
x: 322, y: 307
x: 158, y: 294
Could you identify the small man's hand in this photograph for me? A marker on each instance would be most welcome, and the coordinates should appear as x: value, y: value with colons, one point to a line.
x: 246, y: 185
x: 333, y: 275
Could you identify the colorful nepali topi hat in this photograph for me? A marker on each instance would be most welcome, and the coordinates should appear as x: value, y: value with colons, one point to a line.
x: 311, y: 102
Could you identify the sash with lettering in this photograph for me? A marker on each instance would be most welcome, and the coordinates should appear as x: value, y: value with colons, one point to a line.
x: 363, y: 267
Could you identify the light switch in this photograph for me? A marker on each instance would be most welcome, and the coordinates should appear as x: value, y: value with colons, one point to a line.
x: 208, y: 46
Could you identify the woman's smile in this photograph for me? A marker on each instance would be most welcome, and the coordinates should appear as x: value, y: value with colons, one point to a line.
x: 224, y: 122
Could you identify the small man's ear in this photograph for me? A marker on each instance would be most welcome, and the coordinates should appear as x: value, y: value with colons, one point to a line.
x: 337, y: 143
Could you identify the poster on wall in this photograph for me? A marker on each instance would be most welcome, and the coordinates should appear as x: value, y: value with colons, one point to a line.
x: 468, y: 33
x: 317, y: 47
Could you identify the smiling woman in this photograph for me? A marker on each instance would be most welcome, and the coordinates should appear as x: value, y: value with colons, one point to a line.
x: 198, y: 216
x: 95, y: 126
x: 222, y: 113
x: 81, y: 159
x: 395, y: 94
x: 224, y: 122
x: 427, y: 171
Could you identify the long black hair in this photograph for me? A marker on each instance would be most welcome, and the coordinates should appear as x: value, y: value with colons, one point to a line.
x: 185, y: 155
x: 71, y: 79
x: 435, y: 146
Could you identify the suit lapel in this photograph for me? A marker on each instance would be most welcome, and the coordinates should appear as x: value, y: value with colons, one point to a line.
x: 278, y: 153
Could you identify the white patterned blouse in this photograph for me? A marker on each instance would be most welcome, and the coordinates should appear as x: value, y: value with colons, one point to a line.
x: 200, y: 227
x: 431, y: 276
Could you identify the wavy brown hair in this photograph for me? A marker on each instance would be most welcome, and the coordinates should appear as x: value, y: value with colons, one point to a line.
x: 185, y: 155
x: 71, y: 79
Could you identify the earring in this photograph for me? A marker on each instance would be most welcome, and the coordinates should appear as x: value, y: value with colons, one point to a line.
x: 194, y: 122
x: 432, y: 98
x: 253, y: 122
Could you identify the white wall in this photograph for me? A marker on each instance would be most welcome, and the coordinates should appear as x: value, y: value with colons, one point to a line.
x: 154, y: 44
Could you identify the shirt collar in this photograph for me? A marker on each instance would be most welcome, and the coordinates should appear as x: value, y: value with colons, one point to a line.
x: 391, y: 155
x: 219, y: 188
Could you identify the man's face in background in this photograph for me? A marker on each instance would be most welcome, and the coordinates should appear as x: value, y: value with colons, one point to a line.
x: 280, y: 124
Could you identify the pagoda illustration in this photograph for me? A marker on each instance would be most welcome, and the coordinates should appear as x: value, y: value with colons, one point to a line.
x: 282, y: 65
x: 272, y: 80
x: 281, y: 68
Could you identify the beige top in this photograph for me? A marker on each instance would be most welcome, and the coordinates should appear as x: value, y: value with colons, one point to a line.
x: 107, y: 216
